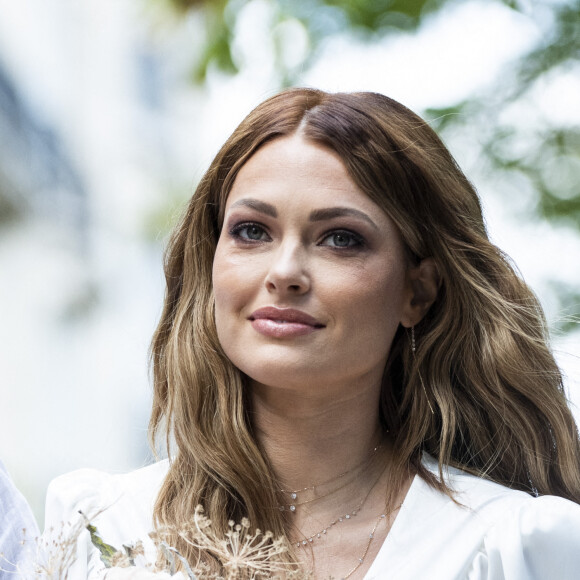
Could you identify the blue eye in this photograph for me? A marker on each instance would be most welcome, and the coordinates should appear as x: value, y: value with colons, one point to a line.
x: 249, y: 232
x: 342, y: 239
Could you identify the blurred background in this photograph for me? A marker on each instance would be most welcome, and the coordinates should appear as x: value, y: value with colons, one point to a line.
x: 110, y: 110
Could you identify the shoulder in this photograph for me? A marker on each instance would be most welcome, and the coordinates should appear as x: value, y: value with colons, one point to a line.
x: 119, y: 505
x: 486, y: 531
x: 508, y: 533
x: 536, y: 537
x: 91, y: 490
x: 94, y: 478
x: 489, y: 502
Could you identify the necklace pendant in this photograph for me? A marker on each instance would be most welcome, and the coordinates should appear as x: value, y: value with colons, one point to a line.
x: 294, y: 496
x: 289, y: 508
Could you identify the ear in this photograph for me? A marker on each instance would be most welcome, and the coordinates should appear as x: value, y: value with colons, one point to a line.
x: 423, y: 282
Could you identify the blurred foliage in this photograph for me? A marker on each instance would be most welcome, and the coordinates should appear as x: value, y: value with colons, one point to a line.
x: 551, y: 158
x: 160, y: 221
x: 518, y: 138
x: 11, y: 205
x: 568, y: 307
x: 320, y: 19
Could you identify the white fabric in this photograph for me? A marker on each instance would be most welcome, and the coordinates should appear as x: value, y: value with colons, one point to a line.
x: 18, y: 528
x: 495, y: 534
x: 120, y: 505
x: 499, y: 534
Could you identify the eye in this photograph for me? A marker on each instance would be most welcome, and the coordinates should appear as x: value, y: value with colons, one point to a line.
x: 342, y: 239
x: 249, y: 232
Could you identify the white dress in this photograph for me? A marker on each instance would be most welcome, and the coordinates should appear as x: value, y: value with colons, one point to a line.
x: 495, y: 534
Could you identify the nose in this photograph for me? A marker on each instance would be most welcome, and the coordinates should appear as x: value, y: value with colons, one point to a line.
x: 288, y: 272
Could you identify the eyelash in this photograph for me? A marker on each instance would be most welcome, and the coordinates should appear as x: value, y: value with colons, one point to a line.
x: 237, y: 229
x: 358, y: 240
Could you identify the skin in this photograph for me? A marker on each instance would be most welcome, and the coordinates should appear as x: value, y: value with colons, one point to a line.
x: 316, y: 396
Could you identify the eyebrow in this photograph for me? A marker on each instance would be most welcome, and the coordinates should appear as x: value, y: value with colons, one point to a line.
x: 260, y: 206
x: 334, y: 212
x: 315, y: 216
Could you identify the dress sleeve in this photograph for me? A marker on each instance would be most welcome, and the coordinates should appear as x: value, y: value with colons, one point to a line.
x: 66, y: 546
x: 538, y: 540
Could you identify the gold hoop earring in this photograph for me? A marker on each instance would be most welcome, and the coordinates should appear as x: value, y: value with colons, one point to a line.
x: 413, y: 348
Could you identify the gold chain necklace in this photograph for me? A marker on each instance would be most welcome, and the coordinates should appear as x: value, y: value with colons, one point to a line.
x: 370, y: 540
x: 341, y: 518
x: 371, y: 537
x: 292, y: 507
x: 294, y: 493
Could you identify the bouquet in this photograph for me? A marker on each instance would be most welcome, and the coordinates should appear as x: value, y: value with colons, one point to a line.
x: 242, y: 553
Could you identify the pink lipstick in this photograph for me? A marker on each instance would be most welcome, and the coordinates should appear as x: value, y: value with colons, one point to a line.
x: 283, y: 322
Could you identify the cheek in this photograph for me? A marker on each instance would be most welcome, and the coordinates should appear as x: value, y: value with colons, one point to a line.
x: 225, y: 299
x: 378, y: 305
x: 234, y: 281
x: 224, y: 288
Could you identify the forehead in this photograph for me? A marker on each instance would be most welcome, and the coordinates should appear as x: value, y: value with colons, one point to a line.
x: 293, y: 170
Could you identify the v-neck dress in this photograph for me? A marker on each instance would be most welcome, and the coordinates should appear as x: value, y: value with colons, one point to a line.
x: 490, y: 532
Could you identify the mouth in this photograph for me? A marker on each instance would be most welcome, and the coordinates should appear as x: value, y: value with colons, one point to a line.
x: 283, y: 322
x: 285, y: 316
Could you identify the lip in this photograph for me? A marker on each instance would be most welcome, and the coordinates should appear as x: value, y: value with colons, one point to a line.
x: 283, y: 322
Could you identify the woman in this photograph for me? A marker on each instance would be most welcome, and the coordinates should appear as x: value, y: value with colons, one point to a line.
x: 346, y: 359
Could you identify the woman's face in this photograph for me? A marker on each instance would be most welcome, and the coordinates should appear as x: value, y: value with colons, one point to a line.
x: 310, y: 276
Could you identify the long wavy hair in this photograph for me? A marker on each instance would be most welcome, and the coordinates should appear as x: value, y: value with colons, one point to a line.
x: 482, y: 353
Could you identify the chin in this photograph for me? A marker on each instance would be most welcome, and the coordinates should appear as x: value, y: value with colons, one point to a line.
x: 300, y: 378
x: 284, y: 375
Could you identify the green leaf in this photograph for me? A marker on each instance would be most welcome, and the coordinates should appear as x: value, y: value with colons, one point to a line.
x: 374, y: 15
x: 107, y: 551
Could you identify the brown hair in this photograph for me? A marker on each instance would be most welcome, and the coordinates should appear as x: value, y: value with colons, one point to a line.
x: 482, y: 349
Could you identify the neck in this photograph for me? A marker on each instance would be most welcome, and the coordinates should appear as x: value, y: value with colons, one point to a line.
x: 313, y: 438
